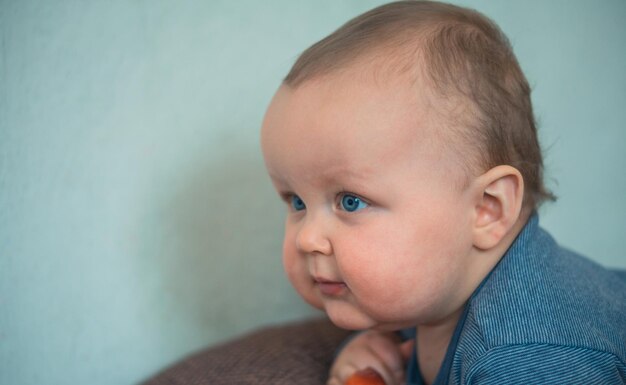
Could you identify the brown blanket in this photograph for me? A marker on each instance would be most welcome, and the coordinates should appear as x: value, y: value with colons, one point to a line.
x: 298, y: 353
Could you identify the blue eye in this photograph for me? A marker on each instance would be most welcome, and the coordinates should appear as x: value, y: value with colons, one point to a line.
x: 351, y: 203
x: 297, y: 203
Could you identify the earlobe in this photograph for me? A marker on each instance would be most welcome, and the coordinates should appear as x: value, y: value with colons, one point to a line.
x: 499, y: 205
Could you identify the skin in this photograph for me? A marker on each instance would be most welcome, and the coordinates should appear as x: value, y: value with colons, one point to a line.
x: 420, y: 241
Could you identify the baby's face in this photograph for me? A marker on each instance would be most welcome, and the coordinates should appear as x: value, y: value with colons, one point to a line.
x: 378, y: 226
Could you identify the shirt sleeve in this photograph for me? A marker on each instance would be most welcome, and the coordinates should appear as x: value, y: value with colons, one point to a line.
x: 546, y: 364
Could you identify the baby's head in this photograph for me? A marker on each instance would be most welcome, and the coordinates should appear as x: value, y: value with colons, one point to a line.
x: 405, y: 147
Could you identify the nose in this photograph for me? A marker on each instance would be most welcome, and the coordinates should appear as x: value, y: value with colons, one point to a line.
x: 312, y: 237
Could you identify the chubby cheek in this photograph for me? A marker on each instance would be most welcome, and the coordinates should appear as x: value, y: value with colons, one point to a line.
x: 401, y: 272
x: 295, y: 267
x: 372, y: 269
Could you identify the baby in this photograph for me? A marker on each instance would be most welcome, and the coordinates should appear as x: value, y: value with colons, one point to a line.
x: 405, y: 147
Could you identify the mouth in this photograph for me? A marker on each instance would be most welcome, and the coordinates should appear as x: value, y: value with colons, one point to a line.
x: 329, y: 287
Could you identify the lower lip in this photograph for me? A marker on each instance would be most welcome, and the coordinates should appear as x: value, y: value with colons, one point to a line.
x: 331, y: 288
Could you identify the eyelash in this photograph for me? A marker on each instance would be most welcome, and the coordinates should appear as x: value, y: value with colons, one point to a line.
x: 288, y: 197
x: 348, y: 204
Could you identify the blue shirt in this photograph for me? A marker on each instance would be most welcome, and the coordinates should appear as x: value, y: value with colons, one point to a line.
x: 544, y: 315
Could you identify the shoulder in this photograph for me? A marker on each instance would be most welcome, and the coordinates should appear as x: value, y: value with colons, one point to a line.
x: 544, y: 301
x: 546, y: 364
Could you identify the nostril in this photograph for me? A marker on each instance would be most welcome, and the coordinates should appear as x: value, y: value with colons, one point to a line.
x: 311, y: 239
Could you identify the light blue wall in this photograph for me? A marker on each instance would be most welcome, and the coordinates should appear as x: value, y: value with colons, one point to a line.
x: 136, y: 222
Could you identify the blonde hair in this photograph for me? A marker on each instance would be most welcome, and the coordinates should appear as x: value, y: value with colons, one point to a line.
x: 464, y: 54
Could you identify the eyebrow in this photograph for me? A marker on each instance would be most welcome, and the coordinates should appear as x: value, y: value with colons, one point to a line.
x: 338, y: 176
x: 343, y: 173
x: 277, y: 178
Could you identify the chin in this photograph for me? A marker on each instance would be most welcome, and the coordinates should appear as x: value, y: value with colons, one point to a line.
x: 360, y: 321
x: 350, y: 320
x: 340, y: 323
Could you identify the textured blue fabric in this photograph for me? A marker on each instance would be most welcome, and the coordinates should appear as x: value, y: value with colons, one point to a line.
x: 544, y: 315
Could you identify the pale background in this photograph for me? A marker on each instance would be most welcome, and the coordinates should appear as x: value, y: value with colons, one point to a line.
x: 136, y: 222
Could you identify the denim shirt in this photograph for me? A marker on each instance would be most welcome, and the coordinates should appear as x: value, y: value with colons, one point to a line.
x: 544, y: 315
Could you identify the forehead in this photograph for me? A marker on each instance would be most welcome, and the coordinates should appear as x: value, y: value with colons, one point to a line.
x: 353, y: 125
x: 340, y: 112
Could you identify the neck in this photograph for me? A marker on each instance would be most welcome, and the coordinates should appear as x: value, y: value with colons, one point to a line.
x: 432, y: 344
x: 483, y: 261
x: 433, y: 339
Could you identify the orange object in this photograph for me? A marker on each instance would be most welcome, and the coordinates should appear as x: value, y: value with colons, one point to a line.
x: 367, y: 376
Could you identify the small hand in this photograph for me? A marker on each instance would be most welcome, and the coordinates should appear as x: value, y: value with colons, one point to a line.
x: 381, y: 351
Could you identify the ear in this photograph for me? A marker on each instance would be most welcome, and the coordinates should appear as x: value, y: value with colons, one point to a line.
x: 501, y: 192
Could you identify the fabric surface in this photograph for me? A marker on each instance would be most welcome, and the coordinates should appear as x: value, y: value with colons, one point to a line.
x: 298, y: 353
x: 544, y: 315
